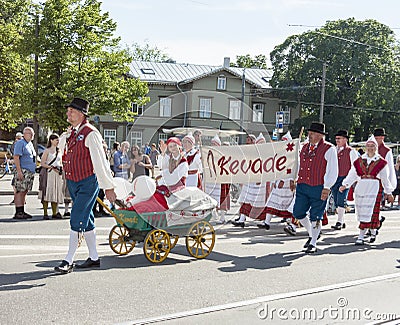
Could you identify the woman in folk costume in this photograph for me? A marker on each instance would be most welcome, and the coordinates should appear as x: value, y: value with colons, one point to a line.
x: 173, y: 169
x: 371, y: 173
x: 194, y: 161
x: 252, y: 198
x: 280, y: 198
x: 219, y: 192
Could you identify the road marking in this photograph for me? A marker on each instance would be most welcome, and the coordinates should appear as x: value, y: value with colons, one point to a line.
x: 263, y: 299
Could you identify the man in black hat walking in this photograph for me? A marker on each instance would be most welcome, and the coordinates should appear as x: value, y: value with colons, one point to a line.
x: 386, y: 152
x: 346, y: 157
x: 317, y: 173
x: 86, y: 169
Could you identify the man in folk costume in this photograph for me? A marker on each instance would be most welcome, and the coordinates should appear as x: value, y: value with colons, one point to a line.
x: 219, y: 192
x: 346, y: 157
x: 193, y: 158
x: 86, y: 170
x: 318, y: 172
x: 253, y: 196
x: 371, y: 172
x: 387, y: 154
x: 280, y: 198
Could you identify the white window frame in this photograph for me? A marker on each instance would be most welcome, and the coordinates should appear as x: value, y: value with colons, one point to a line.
x: 137, y: 109
x: 205, y: 104
x: 165, y: 106
x: 110, y: 136
x: 234, y: 109
x: 221, y: 82
x: 136, y: 138
x: 258, y: 112
x: 162, y: 136
x: 286, y: 114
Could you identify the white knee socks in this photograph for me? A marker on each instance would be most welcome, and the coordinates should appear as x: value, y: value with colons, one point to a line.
x: 306, y: 224
x: 242, y: 218
x: 315, y: 230
x: 340, y: 214
x: 268, y: 218
x: 73, y: 246
x: 362, y: 233
x: 90, y: 238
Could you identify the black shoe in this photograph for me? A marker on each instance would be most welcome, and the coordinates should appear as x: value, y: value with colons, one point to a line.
x: 19, y: 216
x: 311, y: 249
x: 88, y: 264
x: 27, y: 215
x: 236, y: 219
x: 263, y: 226
x: 307, y: 242
x: 238, y: 223
x: 64, y: 267
x: 67, y: 214
x: 339, y: 226
x: 359, y: 242
x: 381, y: 220
x: 372, y: 239
x: 57, y: 216
x: 290, y: 230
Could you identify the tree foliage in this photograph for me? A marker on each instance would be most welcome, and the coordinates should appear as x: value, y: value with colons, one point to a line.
x: 362, y: 75
x: 77, y: 55
x: 246, y: 61
x: 147, y: 52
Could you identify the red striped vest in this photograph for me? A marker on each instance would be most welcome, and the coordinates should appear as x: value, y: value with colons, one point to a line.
x: 313, y: 165
x: 76, y: 160
x: 369, y: 171
x: 344, y: 161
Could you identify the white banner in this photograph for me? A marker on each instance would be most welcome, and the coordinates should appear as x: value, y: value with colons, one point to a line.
x: 250, y: 163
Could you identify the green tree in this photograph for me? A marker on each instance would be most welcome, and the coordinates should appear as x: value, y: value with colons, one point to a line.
x: 79, y: 56
x: 147, y: 53
x: 361, y: 78
x: 246, y: 61
x: 14, y: 68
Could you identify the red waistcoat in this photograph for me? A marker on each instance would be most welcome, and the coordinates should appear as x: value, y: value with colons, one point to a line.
x: 76, y: 160
x: 369, y: 171
x: 383, y: 150
x: 313, y: 165
x: 344, y: 161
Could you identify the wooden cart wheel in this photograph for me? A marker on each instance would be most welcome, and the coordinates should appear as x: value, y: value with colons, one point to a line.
x: 119, y: 242
x: 157, y: 245
x: 174, y: 240
x: 200, y: 239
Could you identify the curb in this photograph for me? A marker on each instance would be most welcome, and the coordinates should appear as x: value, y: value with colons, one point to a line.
x: 12, y: 193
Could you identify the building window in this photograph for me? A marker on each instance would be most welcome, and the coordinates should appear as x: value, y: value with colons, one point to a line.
x: 205, y: 107
x: 162, y: 136
x: 147, y: 71
x: 136, y: 138
x: 165, y: 107
x: 286, y: 114
x: 234, y: 109
x: 221, y: 82
x: 137, y: 109
x: 110, y: 136
x: 258, y: 112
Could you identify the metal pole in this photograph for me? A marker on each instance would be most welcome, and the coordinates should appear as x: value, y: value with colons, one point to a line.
x: 242, y: 105
x: 321, y: 111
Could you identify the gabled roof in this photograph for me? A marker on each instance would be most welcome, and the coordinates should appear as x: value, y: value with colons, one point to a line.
x: 173, y: 73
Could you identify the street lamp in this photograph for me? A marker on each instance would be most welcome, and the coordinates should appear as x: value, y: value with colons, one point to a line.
x: 321, y: 111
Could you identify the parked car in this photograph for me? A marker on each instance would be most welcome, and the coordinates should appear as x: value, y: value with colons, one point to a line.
x: 40, y: 149
x: 5, y: 147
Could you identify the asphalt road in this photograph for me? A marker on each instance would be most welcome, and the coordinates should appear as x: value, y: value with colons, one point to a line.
x: 252, y: 276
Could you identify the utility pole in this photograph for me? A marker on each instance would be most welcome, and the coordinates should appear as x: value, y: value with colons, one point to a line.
x: 242, y: 105
x: 321, y: 111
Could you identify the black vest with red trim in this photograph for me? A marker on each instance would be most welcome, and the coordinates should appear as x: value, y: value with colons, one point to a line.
x: 313, y: 164
x: 76, y: 160
x: 344, y: 161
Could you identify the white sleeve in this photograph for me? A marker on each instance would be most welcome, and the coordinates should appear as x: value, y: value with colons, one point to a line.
x: 384, y: 176
x: 172, y: 178
x: 391, y: 170
x: 332, y: 169
x: 100, y: 165
x: 351, y: 177
x: 163, y: 161
x: 353, y: 156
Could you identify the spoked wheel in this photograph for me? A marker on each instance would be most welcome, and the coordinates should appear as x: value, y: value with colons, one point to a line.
x: 200, y: 239
x: 157, y: 245
x: 119, y: 241
x: 173, y: 239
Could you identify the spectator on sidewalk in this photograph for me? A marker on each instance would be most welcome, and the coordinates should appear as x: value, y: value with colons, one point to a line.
x: 122, y: 162
x: 25, y: 166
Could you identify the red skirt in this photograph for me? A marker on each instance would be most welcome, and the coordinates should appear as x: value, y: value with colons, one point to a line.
x: 278, y: 213
x: 225, y: 198
x: 252, y: 212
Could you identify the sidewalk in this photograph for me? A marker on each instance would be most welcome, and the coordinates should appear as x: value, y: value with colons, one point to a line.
x: 7, y: 189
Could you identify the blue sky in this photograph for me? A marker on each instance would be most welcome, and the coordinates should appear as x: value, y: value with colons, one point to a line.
x: 205, y: 31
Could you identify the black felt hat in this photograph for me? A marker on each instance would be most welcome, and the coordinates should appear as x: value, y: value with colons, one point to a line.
x: 342, y: 133
x: 80, y: 105
x: 379, y: 132
x: 317, y: 127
